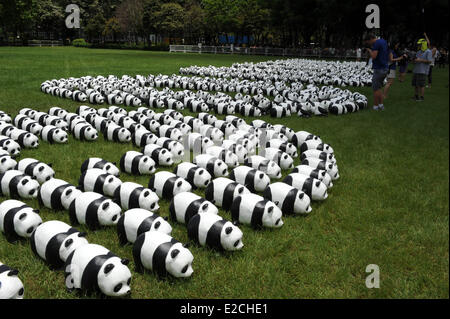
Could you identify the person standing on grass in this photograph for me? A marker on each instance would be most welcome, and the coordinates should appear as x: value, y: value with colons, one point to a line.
x: 403, y: 66
x: 379, y: 53
x: 421, y: 68
x: 393, y: 59
x: 433, y: 55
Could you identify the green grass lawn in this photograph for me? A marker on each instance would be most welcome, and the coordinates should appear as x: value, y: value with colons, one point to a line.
x: 390, y: 206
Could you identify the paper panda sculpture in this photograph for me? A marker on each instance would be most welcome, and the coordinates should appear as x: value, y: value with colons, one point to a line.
x: 9, y: 145
x: 302, y: 136
x: 84, y: 132
x: 166, y: 185
x: 289, y: 148
x: 254, y: 210
x: 15, y: 184
x: 95, y: 162
x: 25, y: 123
x: 288, y: 198
x: 281, y: 158
x: 57, y: 194
x: 213, y: 231
x: 96, y: 180
x: 222, y: 191
x: 17, y: 220
x: 136, y: 163
x: 6, y: 162
x: 170, y: 132
x: 24, y: 138
x: 57, y: 111
x: 214, y: 166
x: 199, y: 143
x: 93, y: 210
x: 53, y: 134
x: 116, y: 133
x: 198, y: 177
x: 137, y: 221
x: 163, y: 254
x: 226, y: 156
x: 237, y: 149
x: 11, y: 287
x: 176, y: 148
x: 267, y: 166
x: 254, y: 180
x: 142, y: 137
x: 314, y: 188
x: 160, y: 155
x: 39, y: 171
x: 319, y: 174
x: 330, y: 167
x: 212, y: 133
x: 54, y: 241
x: 131, y: 195
x: 185, y: 205
x: 323, y: 156
x: 5, y: 117
x: 316, y: 145
x: 92, y: 268
x: 194, y: 123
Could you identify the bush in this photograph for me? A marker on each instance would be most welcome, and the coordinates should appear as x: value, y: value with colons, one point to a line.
x: 80, y: 43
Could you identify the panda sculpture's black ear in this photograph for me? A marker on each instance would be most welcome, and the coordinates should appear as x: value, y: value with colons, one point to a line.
x: 13, y: 272
x: 82, y: 234
x: 174, y: 253
x: 50, y: 164
x: 236, y: 223
x: 166, y: 218
x: 125, y: 261
x: 186, y: 245
x: 108, y: 268
x: 37, y: 211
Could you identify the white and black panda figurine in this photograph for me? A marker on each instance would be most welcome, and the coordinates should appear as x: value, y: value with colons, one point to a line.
x: 131, y: 195
x: 95, y: 162
x: 57, y: 194
x: 6, y: 162
x: 96, y: 180
x: 24, y: 138
x: 163, y: 254
x: 289, y: 148
x: 215, y: 232
x: 170, y: 132
x: 18, y: 220
x: 198, y: 177
x: 176, y: 148
x: 54, y: 241
x: 223, y: 154
x: 53, y: 134
x: 193, y: 122
x: 212, y: 133
x: 25, y: 123
x: 185, y: 205
x: 15, y: 184
x: 319, y: 174
x: 137, y: 221
x: 11, y: 287
x: 92, y: 268
x: 84, y: 132
x: 116, y: 133
x: 142, y: 137
x: 283, y: 159
x: 9, y: 145
x: 166, y: 185
x: 330, y: 167
x: 323, y: 156
x: 214, y: 166
x: 314, y: 188
x: 161, y: 156
x: 302, y: 136
x: 253, y: 179
x: 222, y: 191
x: 136, y: 163
x: 199, y: 143
x: 5, y: 117
x: 93, y: 210
x: 288, y: 198
x: 267, y: 166
x: 254, y: 210
x: 316, y: 145
x: 39, y: 171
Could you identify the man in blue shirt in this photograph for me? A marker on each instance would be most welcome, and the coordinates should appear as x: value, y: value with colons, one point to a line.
x: 424, y: 57
x: 379, y: 53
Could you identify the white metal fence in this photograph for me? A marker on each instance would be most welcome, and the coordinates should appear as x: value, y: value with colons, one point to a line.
x: 316, y: 53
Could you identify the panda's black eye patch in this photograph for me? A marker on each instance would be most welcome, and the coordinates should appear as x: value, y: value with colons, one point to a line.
x: 117, y: 288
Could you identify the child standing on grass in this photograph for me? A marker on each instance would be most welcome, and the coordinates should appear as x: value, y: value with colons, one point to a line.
x: 421, y: 68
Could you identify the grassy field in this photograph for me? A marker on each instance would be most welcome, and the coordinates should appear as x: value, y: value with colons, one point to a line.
x: 389, y: 208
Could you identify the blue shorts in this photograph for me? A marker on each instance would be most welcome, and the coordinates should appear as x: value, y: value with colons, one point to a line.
x: 378, y: 78
x: 403, y: 68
